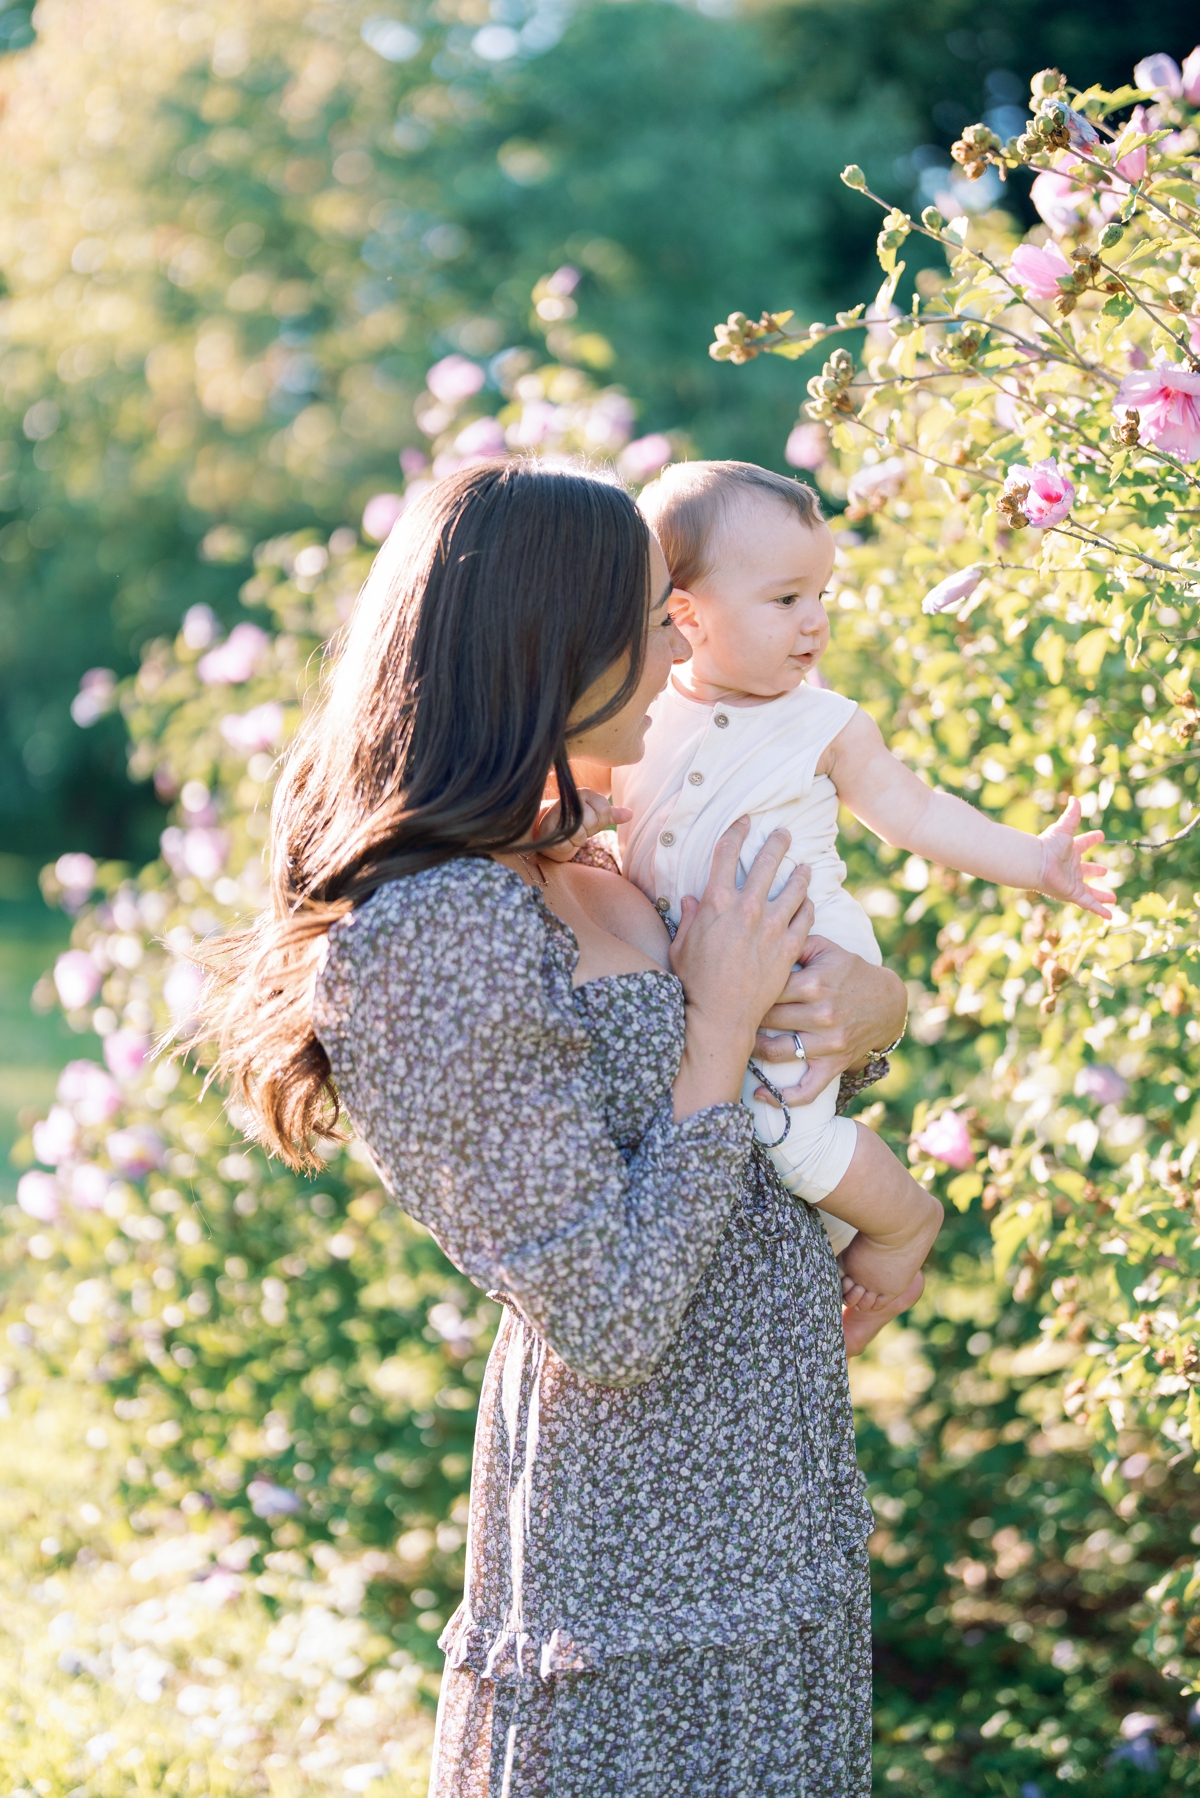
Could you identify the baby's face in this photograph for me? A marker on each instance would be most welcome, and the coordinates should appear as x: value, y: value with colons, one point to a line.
x: 757, y: 622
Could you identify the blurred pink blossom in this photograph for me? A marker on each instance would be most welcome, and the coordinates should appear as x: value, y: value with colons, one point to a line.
x: 200, y: 627
x: 1168, y: 399
x: 482, y: 437
x: 608, y: 421
x: 948, y: 1139
x: 200, y: 852
x: 219, y: 1587
x: 642, y: 459
x: 259, y: 728
x: 1101, y: 1084
x: 538, y: 421
x: 413, y: 462
x: 1133, y: 166
x: 1160, y: 75
x: 126, y: 1052
x: 235, y: 660
x: 89, y: 1186
x: 380, y: 514
x: 77, y: 979
x: 1190, y: 78
x: 1051, y: 493
x: 563, y: 281
x: 807, y: 446
x: 136, y: 1151
x: 269, y: 1500
x: 454, y: 378
x: 39, y: 1197
x: 90, y: 1092
x: 181, y: 990
x: 876, y: 482
x: 97, y: 689
x: 55, y: 1136
x: 1039, y: 271
x: 76, y: 875
x: 1058, y: 199
x: 954, y: 589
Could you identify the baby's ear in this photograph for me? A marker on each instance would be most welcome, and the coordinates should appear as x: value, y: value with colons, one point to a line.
x: 682, y: 606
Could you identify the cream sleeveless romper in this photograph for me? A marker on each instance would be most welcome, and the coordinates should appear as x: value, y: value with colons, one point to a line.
x: 704, y: 767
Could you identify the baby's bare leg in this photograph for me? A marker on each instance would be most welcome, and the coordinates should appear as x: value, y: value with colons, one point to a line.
x: 896, y: 1219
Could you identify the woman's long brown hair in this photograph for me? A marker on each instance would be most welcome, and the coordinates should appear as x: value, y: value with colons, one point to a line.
x: 504, y: 593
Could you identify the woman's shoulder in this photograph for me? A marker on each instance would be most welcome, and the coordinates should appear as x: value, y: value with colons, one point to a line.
x: 443, y: 928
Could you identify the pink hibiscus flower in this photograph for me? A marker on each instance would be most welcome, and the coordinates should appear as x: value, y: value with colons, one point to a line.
x: 1039, y: 271
x: 1167, y: 399
x: 1049, y: 496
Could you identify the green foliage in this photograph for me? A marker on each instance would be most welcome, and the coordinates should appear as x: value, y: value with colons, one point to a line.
x: 1064, y: 667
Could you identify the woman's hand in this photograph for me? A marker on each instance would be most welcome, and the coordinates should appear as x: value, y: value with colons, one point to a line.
x: 732, y: 951
x: 844, y: 1010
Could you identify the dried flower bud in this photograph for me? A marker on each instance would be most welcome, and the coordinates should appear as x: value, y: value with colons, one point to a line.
x: 1127, y: 433
x: 1045, y: 83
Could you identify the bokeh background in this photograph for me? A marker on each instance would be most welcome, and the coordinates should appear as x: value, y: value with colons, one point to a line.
x: 234, y: 242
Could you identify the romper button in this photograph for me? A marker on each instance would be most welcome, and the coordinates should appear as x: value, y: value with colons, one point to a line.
x: 667, y: 838
x: 662, y: 905
x: 697, y: 780
x: 721, y: 720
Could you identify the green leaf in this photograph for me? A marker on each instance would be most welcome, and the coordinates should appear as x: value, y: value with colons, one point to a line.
x: 1118, y: 305
x: 792, y: 347
x: 884, y: 297
x: 963, y: 1189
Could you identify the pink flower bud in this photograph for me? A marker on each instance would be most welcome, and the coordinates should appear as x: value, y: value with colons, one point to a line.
x: 1038, y: 271
x: 77, y: 979
x: 55, y: 1136
x: 235, y: 660
x: 126, y: 1052
x: 642, y: 459
x: 954, y: 589
x: 39, y: 1197
x: 380, y: 514
x: 1103, y: 1085
x: 90, y: 1092
x: 136, y: 1151
x: 1159, y: 75
x: 948, y: 1139
x: 453, y: 379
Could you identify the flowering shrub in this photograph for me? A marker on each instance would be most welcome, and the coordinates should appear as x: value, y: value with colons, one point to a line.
x: 1017, y: 605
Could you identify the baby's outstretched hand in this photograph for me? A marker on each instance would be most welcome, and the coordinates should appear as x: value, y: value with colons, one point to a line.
x: 598, y: 814
x: 1065, y: 874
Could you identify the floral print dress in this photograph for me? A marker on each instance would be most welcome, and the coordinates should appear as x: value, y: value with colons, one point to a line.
x: 666, y: 1575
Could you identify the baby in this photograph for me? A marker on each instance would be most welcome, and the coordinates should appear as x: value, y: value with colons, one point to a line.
x: 739, y: 731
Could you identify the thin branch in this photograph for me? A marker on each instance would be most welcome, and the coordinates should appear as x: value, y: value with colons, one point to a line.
x: 1095, y: 541
x: 1179, y: 342
x: 1156, y: 848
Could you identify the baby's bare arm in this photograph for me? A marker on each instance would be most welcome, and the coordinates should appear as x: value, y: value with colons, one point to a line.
x: 901, y: 809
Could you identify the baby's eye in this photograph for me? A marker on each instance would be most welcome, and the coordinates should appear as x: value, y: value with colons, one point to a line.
x: 787, y: 599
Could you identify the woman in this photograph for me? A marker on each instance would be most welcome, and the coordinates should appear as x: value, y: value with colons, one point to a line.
x: 666, y: 1587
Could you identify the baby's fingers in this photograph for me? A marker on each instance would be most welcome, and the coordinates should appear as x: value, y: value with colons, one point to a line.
x: 1089, y: 840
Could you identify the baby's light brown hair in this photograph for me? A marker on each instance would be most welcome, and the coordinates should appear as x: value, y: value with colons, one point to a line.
x: 688, y: 504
